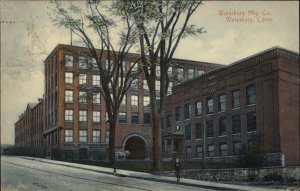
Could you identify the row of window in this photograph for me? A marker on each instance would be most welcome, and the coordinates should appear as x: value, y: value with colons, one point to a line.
x: 134, y: 118
x: 96, y: 81
x: 236, y: 127
x: 251, y: 99
x: 223, y: 149
x: 69, y: 136
x: 69, y: 115
x: 96, y: 116
x: 89, y: 62
x: 69, y: 98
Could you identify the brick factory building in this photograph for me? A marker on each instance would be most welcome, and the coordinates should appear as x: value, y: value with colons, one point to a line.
x: 214, y: 111
x: 77, y: 127
x: 29, y: 127
x: 254, y: 101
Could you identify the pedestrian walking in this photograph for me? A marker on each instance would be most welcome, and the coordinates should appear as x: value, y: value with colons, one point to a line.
x: 177, y: 167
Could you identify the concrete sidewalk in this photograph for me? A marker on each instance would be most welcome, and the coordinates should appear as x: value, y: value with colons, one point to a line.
x: 152, y: 177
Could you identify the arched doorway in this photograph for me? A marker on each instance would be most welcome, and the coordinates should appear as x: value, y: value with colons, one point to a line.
x: 136, y: 147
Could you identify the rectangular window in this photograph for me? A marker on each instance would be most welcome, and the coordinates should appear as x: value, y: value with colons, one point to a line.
x: 69, y: 96
x: 68, y: 115
x: 222, y: 126
x: 178, y: 113
x: 124, y: 66
x: 191, y: 73
x: 135, y: 117
x: 107, y: 137
x: 188, y: 152
x: 198, y: 108
x: 188, y: 133
x: 236, y: 124
x: 157, y: 71
x: 187, y: 111
x: 146, y: 101
x: 210, y: 128
x: 124, y: 101
x: 145, y: 85
x: 122, y: 117
x: 251, y: 94
x: 69, y: 136
x: 251, y: 121
x: 223, y: 149
x: 169, y: 120
x: 96, y: 80
x: 82, y: 115
x: 157, y: 85
x: 68, y: 60
x: 170, y: 71
x: 97, y: 98
x: 93, y: 64
x: 134, y: 66
x: 237, y: 148
x: 96, y: 116
x: 180, y: 74
x: 134, y: 100
x: 210, y: 150
x: 200, y: 72
x: 82, y: 62
x: 96, y: 136
x: 82, y: 78
x: 198, y: 130
x: 199, y: 151
x: 135, y: 84
x: 69, y: 78
x: 222, y: 102
x: 82, y: 97
x: 147, y: 119
x: 82, y: 136
x: 236, y: 99
x: 210, y: 105
x: 170, y: 87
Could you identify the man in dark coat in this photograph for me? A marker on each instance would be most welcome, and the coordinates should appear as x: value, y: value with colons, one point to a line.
x: 177, y: 166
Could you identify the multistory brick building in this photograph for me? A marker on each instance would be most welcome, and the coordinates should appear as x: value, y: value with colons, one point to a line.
x: 77, y: 127
x: 29, y: 127
x: 254, y: 101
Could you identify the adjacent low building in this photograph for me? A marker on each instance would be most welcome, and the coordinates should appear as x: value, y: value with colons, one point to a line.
x: 223, y: 113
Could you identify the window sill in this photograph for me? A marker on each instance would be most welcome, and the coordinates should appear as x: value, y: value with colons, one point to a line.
x: 222, y: 135
x: 250, y: 105
x: 222, y: 111
x: 236, y: 134
x: 236, y: 108
x: 252, y: 131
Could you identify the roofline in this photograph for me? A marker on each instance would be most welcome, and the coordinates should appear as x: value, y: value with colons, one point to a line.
x: 58, y: 46
x: 240, y: 61
x: 263, y: 52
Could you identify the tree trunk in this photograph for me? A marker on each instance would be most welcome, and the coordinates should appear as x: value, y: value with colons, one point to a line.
x: 156, y: 134
x: 112, y: 132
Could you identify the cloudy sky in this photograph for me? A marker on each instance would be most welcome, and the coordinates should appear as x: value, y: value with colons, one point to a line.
x: 28, y: 36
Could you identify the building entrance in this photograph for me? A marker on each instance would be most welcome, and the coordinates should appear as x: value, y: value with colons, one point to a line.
x: 136, y: 146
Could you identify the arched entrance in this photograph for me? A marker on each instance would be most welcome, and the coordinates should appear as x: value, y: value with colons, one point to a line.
x: 137, y: 148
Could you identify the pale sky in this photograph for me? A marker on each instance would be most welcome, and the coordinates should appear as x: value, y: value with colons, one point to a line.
x: 28, y: 36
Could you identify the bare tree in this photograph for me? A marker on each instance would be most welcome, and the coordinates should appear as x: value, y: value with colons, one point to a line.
x: 94, y: 25
x: 161, y: 25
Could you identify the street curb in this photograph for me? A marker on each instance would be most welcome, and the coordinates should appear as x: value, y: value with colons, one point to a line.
x: 219, y: 186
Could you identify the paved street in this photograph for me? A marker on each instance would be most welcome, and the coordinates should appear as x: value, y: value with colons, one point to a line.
x: 22, y: 174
